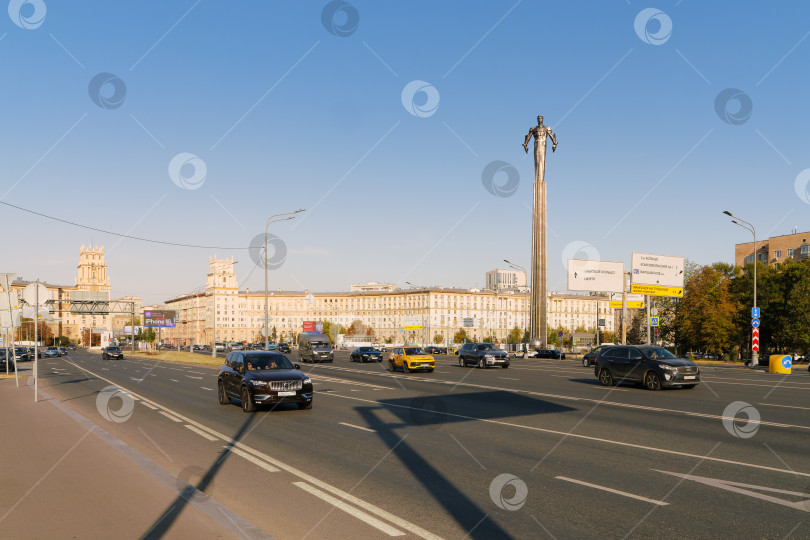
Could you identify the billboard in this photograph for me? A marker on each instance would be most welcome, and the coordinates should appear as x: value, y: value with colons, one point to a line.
x: 595, y: 276
x: 658, y: 275
x: 313, y: 327
x: 159, y: 318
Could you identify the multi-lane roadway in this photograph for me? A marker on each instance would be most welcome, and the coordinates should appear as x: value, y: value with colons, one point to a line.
x: 537, y: 450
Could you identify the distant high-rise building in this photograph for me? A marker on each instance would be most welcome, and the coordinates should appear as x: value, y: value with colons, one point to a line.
x: 506, y: 280
x: 775, y: 249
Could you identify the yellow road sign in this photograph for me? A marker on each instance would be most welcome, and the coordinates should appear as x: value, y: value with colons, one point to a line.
x: 413, y: 327
x: 630, y: 305
x: 657, y: 290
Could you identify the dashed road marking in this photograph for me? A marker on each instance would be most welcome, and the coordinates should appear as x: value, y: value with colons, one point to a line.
x: 611, y: 490
x: 357, y: 427
x: 200, y: 432
x: 170, y: 417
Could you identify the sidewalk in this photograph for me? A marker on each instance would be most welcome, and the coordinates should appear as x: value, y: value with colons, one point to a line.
x: 64, y: 479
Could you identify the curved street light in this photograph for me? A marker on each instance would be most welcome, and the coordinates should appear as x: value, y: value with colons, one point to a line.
x: 266, y: 306
x: 750, y: 228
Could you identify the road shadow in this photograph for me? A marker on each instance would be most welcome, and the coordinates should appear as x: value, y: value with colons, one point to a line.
x: 432, y: 412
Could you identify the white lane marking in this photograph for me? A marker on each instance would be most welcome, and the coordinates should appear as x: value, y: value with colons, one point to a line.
x: 351, y: 510
x: 586, y: 400
x: 583, y: 437
x: 396, y: 520
x: 357, y: 427
x: 613, y: 388
x: 737, y: 487
x: 193, y: 377
x: 785, y: 406
x: 150, y: 406
x: 205, y: 388
x: 201, y: 433
x: 255, y: 461
x: 508, y: 379
x: 319, y: 378
x: 174, y: 380
x: 611, y: 490
x: 170, y: 417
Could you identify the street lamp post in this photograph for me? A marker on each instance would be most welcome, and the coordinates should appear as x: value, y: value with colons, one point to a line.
x: 750, y: 228
x: 518, y: 267
x: 266, y: 307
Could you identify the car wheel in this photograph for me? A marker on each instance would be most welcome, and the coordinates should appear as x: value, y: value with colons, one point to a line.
x: 391, y: 366
x: 223, y: 397
x: 405, y: 368
x: 430, y: 371
x: 689, y: 386
x: 461, y: 362
x: 307, y: 405
x: 586, y: 362
x: 247, y: 403
x: 605, y: 377
x: 481, y: 363
x: 504, y: 366
x: 652, y: 381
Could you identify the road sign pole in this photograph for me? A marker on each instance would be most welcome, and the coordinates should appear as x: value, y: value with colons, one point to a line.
x: 647, y: 304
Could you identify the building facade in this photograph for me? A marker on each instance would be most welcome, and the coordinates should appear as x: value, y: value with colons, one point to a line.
x: 91, y: 283
x: 222, y: 312
x: 774, y: 250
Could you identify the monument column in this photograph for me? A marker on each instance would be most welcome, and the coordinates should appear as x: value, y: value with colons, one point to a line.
x: 538, y: 325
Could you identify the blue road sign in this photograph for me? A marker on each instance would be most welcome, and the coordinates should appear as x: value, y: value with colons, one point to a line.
x: 755, y: 313
x: 559, y: 334
x: 787, y: 361
x: 653, y: 321
x: 755, y: 323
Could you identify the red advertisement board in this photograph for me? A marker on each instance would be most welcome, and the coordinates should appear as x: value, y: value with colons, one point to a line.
x: 309, y: 326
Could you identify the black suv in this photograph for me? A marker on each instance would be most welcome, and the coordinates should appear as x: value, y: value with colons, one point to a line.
x: 483, y: 355
x: 262, y: 378
x: 112, y: 352
x: 589, y: 358
x: 284, y: 348
x: 654, y: 367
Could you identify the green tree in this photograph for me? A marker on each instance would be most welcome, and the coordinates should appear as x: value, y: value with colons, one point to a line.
x: 438, y: 339
x: 514, y: 335
x: 704, y: 318
x: 460, y: 336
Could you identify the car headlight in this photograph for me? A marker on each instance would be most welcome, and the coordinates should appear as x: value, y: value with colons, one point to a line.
x: 667, y: 367
x: 488, y: 357
x: 307, y: 381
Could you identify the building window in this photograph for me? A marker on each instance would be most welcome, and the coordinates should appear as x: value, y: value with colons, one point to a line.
x: 763, y: 257
x: 749, y: 259
x: 806, y: 249
x: 791, y: 252
x: 777, y: 254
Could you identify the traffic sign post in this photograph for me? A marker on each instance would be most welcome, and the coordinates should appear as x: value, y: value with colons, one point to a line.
x: 755, y: 323
x: 755, y: 313
x: 654, y: 321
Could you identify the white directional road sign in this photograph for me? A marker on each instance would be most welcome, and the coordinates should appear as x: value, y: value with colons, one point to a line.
x: 36, y: 292
x: 658, y: 275
x: 595, y: 276
x: 412, y: 323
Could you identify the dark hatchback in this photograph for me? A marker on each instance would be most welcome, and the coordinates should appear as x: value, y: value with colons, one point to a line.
x: 435, y: 350
x: 649, y: 365
x: 589, y: 358
x: 549, y: 353
x: 108, y: 353
x: 366, y: 354
x: 262, y: 378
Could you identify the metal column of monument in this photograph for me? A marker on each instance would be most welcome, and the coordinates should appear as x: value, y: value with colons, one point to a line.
x: 538, y: 326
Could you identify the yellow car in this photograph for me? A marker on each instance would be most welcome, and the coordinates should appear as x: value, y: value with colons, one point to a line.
x: 411, y: 358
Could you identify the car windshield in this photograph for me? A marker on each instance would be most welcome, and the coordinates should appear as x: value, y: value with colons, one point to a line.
x: 656, y: 353
x: 261, y: 362
x: 366, y: 349
x: 414, y: 350
x: 486, y: 347
x: 113, y: 349
x: 319, y: 344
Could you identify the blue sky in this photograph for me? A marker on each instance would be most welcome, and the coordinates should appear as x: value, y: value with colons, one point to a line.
x: 285, y: 115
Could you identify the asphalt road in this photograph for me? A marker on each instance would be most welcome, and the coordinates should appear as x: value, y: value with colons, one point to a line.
x: 536, y: 450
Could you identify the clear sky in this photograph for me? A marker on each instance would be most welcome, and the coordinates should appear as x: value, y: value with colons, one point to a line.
x: 291, y: 105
